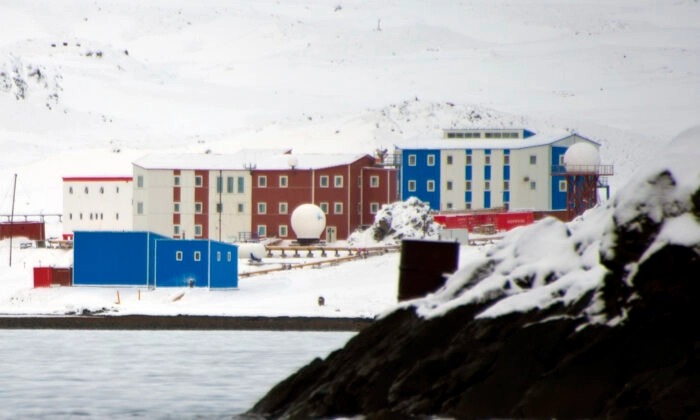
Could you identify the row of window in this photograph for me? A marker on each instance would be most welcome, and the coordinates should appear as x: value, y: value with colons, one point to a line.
x: 93, y: 216
x: 430, y: 185
x: 488, y: 135
x: 86, y: 190
x: 430, y: 159
x: 237, y: 184
x: 197, y: 256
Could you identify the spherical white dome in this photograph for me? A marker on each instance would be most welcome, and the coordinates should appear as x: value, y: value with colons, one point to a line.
x: 293, y: 161
x: 308, y: 221
x: 580, y: 156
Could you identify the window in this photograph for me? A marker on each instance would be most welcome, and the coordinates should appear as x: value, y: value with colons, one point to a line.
x: 533, y: 160
x: 468, y: 185
x: 176, y: 230
x: 468, y: 205
x: 241, y: 184
x: 431, y: 160
x: 506, y: 159
x: 487, y: 160
x: 228, y: 256
x: 373, y: 208
x: 374, y: 181
x: 176, y: 180
x: 81, y: 216
x: 139, y: 181
x: 90, y: 216
x: 178, y: 255
x: 283, y: 207
x: 338, y: 207
x: 283, y: 181
x: 139, y: 207
x: 338, y: 181
x: 219, y: 184
x: 70, y: 190
x: 449, y: 159
x: 411, y: 185
x: 197, y: 256
x: 430, y: 185
x: 449, y: 206
x: 262, y: 231
x: 561, y: 159
x: 469, y: 159
x: 487, y: 185
x: 562, y: 185
x: 262, y: 207
x: 70, y: 216
x: 117, y: 216
x: 324, y: 207
x: 323, y: 181
x: 262, y: 181
x: 101, y: 216
x: 198, y: 208
x: 219, y: 207
x: 218, y: 255
x: 176, y: 208
x: 506, y: 185
x: 229, y: 184
x: 411, y: 160
x: 87, y: 190
x: 282, y: 231
x: 197, y: 230
x: 198, y: 181
x: 117, y: 189
x: 449, y: 185
x: 533, y: 185
x: 240, y: 207
x: 102, y: 190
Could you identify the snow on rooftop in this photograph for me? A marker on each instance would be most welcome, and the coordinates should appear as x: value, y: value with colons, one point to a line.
x: 437, y: 142
x: 308, y: 160
x: 241, y: 160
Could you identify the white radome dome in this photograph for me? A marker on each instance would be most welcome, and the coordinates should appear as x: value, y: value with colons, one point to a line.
x: 308, y: 221
x: 581, y: 155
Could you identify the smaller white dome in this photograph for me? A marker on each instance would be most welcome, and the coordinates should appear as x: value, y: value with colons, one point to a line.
x: 581, y: 156
x: 251, y: 250
x: 308, y: 221
x: 293, y: 161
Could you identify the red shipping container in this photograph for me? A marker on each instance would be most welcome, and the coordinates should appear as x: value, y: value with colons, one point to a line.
x: 42, y: 276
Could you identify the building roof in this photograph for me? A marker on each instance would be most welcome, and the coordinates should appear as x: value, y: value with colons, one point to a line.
x: 97, y: 179
x: 241, y: 160
x: 305, y: 161
x: 441, y: 143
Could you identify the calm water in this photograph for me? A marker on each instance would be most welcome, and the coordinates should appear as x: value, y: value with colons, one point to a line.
x: 148, y: 374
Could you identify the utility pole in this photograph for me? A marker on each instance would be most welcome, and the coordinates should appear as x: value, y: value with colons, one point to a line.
x: 12, y: 216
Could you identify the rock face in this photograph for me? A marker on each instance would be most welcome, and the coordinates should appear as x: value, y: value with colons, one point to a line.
x: 626, y: 346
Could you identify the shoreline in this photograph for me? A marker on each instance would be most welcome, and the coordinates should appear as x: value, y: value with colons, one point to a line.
x: 182, y: 322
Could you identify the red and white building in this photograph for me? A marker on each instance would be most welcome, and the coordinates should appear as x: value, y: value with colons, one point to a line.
x: 349, y: 188
x: 96, y: 203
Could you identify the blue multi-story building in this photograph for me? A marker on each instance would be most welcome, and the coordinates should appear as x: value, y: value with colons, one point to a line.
x: 478, y: 169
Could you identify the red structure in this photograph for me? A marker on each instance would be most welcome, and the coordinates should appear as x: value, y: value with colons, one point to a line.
x: 349, y: 190
x: 50, y: 276
x: 501, y: 221
x: 34, y: 231
x: 582, y: 183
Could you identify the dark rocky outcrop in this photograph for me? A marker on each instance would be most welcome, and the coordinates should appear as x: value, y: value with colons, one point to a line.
x: 627, y: 348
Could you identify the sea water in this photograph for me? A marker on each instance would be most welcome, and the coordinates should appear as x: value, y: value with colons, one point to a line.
x: 56, y: 374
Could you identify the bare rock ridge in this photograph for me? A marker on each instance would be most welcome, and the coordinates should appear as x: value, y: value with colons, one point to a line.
x: 629, y: 347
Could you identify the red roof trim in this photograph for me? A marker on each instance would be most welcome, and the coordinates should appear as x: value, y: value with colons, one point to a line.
x: 97, y: 178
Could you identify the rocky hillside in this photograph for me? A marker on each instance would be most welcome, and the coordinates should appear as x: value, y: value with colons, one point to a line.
x: 593, y: 318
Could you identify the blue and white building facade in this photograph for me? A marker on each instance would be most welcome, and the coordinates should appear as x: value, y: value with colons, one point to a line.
x: 479, y: 169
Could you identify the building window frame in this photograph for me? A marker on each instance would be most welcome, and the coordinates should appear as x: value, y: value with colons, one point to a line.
x: 283, y: 207
x: 282, y: 231
x: 283, y: 181
x: 411, y: 185
x: 323, y: 205
x: 338, y: 207
x: 262, y: 181
x: 198, y: 181
x: 198, y: 207
x: 197, y: 231
x: 338, y: 181
x: 412, y: 158
x: 373, y: 207
x: 323, y: 181
x: 197, y: 255
x: 178, y: 255
x: 430, y: 185
x: 374, y: 181
x: 262, y: 207
x: 430, y: 160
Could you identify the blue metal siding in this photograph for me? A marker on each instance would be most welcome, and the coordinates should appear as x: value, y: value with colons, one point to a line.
x: 468, y: 172
x: 421, y: 173
x: 487, y: 172
x: 112, y: 258
x: 558, y: 197
x: 506, y: 173
x: 173, y: 273
x: 467, y: 196
x: 487, y: 199
x: 223, y: 272
x: 506, y: 196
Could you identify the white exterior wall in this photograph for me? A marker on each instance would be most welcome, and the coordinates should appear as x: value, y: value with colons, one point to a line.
x: 522, y: 174
x: 105, y: 206
x: 233, y: 221
x: 156, y: 196
x: 454, y: 173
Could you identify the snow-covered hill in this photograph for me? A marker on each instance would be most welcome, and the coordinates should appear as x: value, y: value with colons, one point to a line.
x: 123, y: 78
